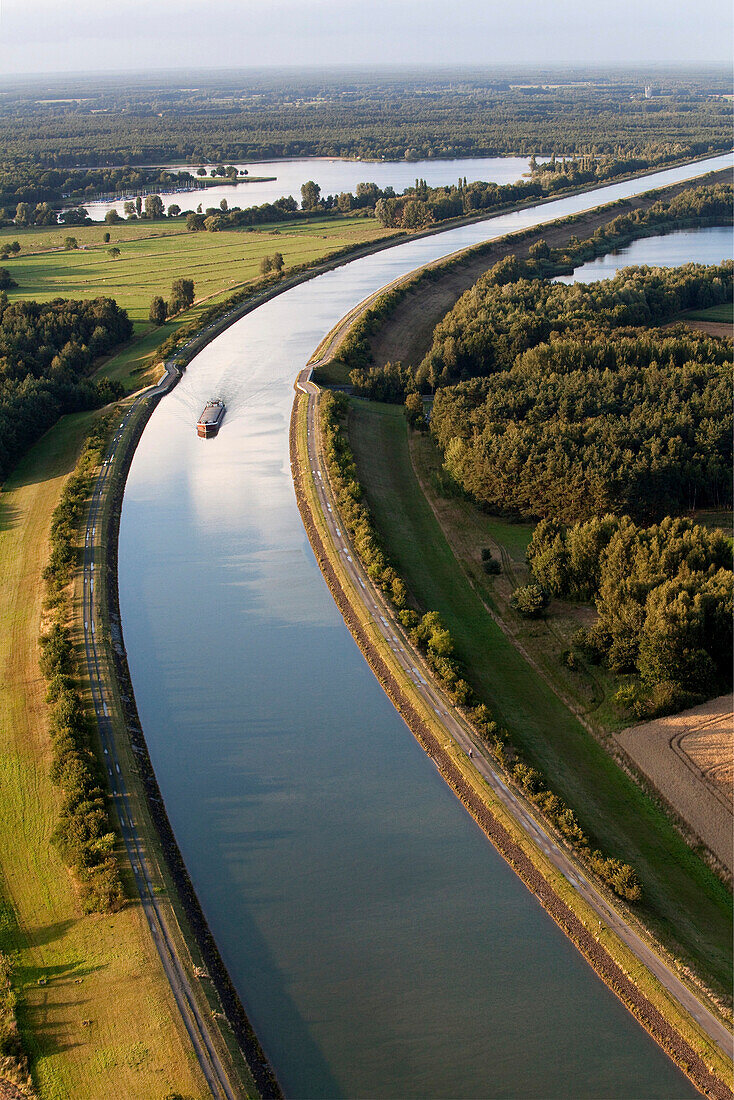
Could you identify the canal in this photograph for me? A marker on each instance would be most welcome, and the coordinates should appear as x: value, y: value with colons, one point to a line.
x: 380, y: 945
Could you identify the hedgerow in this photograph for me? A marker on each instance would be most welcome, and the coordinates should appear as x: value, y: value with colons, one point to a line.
x: 84, y: 834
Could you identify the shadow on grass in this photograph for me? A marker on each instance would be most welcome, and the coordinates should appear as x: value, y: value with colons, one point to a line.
x: 54, y: 454
x: 42, y: 1021
x: 9, y: 514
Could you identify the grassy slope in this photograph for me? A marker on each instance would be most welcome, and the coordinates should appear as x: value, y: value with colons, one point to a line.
x: 683, y: 900
x: 104, y: 970
x: 722, y: 313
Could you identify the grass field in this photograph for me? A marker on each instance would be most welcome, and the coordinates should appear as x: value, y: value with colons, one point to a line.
x: 722, y: 313
x: 152, y: 255
x: 96, y: 1013
x: 683, y: 900
x: 724, y: 520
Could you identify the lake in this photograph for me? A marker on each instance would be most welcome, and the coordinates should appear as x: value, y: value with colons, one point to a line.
x: 333, y: 176
x: 711, y: 245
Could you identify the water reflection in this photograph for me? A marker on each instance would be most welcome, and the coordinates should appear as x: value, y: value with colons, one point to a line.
x: 711, y: 245
x: 333, y: 176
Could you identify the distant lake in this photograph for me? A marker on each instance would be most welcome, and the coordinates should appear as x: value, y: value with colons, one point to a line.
x: 332, y: 175
x: 711, y: 245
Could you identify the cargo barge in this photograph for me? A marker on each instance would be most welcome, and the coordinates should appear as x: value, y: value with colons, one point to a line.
x: 211, y: 419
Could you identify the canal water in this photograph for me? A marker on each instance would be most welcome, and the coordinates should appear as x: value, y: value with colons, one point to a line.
x: 380, y: 945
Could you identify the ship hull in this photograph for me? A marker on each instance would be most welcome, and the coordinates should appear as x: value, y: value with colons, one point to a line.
x: 211, y: 419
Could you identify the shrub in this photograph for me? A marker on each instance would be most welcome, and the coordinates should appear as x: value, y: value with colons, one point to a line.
x: 529, y: 600
x: 625, y: 698
x: 158, y: 311
x: 570, y: 659
x: 662, y: 699
x: 415, y: 412
x: 83, y: 834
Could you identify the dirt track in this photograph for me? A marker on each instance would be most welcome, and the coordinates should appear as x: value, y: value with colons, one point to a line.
x: 406, y: 335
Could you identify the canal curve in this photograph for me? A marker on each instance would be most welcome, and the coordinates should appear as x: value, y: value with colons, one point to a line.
x: 379, y: 944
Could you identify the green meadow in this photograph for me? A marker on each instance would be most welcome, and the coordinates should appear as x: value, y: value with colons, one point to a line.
x: 153, y: 254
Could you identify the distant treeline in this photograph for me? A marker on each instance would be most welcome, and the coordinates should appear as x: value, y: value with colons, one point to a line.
x: 46, y: 351
x: 416, y: 116
x: 30, y: 184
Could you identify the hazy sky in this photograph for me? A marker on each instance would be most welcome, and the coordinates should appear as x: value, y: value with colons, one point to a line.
x: 39, y: 36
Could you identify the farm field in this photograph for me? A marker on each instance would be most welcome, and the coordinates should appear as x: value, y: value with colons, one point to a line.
x: 82, y: 1041
x: 688, y: 757
x: 682, y: 900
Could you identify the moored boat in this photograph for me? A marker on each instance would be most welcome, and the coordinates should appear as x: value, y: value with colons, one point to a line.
x: 211, y: 419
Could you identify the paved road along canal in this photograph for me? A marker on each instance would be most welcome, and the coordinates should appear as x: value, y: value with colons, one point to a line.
x: 380, y: 946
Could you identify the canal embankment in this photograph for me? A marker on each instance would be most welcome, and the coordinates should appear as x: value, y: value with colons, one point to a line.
x: 207, y: 971
x: 620, y: 969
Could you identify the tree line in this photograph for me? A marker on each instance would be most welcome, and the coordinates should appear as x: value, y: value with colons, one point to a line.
x: 13, y: 1059
x: 664, y: 599
x: 84, y: 834
x: 46, y: 351
x: 430, y: 635
x: 376, y: 117
x: 31, y: 184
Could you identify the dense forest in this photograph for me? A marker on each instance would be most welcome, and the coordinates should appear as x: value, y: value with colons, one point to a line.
x: 664, y: 598
x: 570, y: 404
x: 394, y: 116
x: 46, y: 351
x: 579, y: 410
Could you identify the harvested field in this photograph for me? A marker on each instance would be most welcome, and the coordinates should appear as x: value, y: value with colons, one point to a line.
x: 688, y: 757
